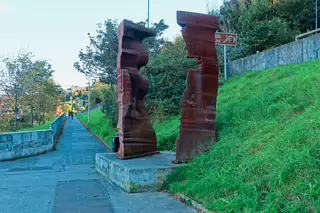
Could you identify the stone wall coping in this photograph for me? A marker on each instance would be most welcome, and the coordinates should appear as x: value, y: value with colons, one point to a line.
x: 23, y: 132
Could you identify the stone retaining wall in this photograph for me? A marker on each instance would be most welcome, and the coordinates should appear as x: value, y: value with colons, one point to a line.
x: 57, y: 125
x: 14, y: 145
x: 301, y: 51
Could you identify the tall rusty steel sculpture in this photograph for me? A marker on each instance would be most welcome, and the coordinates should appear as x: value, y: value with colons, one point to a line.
x: 136, y: 134
x: 198, y: 117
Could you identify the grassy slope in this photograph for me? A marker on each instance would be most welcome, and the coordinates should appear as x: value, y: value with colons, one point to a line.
x: 99, y: 125
x: 268, y: 153
x: 167, y: 133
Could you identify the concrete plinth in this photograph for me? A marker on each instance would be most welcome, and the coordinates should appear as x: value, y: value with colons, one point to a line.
x: 136, y: 175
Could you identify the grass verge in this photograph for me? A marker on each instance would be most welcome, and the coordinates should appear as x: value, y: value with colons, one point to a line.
x: 100, y: 126
x: 167, y: 131
x: 267, y: 156
x: 36, y: 127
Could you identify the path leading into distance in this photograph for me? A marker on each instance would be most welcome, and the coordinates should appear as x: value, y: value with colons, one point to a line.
x: 65, y: 181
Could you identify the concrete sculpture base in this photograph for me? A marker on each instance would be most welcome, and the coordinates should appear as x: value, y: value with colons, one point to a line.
x: 136, y: 175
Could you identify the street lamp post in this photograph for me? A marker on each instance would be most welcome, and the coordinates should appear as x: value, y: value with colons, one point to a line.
x: 316, y: 16
x: 89, y: 85
x: 148, y: 13
x: 89, y: 101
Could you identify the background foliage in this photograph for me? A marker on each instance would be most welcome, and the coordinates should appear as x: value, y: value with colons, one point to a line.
x: 28, y: 94
x: 260, y: 25
x: 167, y: 73
x: 264, y: 24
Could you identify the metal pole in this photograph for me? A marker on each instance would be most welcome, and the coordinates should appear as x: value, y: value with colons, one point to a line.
x: 148, y: 13
x: 316, y: 16
x: 225, y: 63
x: 89, y: 101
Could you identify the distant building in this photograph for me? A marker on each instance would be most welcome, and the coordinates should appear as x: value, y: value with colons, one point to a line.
x: 77, y: 88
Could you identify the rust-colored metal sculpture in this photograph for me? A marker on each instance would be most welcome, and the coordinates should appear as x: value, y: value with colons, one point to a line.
x: 198, y: 118
x: 137, y: 136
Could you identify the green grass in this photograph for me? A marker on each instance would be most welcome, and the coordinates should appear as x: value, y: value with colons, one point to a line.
x: 99, y: 126
x: 36, y: 127
x: 267, y: 155
x: 167, y: 133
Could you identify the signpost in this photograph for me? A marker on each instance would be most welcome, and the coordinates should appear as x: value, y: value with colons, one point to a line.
x: 226, y: 39
x: 229, y: 39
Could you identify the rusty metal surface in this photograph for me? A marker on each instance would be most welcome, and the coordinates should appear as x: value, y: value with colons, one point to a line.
x: 136, y: 134
x: 198, y: 116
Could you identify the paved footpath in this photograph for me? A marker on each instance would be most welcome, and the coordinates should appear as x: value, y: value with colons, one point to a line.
x: 65, y: 181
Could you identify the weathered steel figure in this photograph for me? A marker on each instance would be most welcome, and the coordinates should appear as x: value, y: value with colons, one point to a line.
x: 136, y: 134
x: 198, y: 118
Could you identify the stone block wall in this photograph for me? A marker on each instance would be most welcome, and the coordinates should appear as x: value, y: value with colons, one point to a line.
x: 14, y: 145
x: 25, y: 144
x: 301, y: 51
x: 57, y: 125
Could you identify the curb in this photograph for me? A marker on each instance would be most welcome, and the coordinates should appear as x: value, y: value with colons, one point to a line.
x: 182, y: 198
x: 189, y: 202
x: 96, y: 137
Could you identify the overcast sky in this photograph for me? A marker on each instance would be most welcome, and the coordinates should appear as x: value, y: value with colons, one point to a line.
x: 56, y: 30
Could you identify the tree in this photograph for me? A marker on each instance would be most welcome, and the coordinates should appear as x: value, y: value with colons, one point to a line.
x: 96, y: 92
x: 13, y: 75
x: 5, y: 118
x: 300, y: 15
x: 40, y: 73
x: 48, y: 100
x: 167, y: 73
x: 229, y: 15
x: 155, y: 44
x: 26, y: 86
x: 100, y: 57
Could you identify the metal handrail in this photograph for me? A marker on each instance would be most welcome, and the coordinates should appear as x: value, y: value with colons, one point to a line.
x: 306, y: 34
